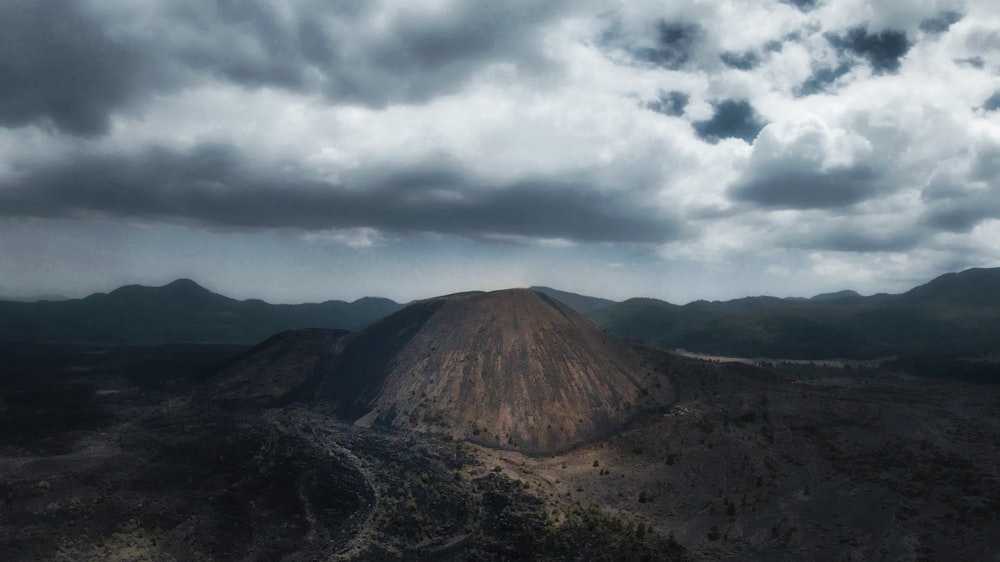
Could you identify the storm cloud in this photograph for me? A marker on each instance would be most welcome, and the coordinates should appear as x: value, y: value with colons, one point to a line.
x: 216, y: 187
x: 964, y: 193
x: 963, y: 215
x: 803, y: 189
x: 368, y: 53
x: 60, y: 67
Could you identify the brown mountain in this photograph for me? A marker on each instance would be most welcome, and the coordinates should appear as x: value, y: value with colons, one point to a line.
x: 511, y: 368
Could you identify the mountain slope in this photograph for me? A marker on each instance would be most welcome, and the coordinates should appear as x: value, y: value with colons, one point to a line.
x: 970, y: 288
x: 276, y: 371
x: 510, y: 368
x: 181, y: 311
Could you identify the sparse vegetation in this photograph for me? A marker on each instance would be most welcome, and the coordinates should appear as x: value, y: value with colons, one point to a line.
x: 796, y: 462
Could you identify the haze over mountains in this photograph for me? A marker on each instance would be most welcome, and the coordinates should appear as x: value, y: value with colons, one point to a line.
x: 955, y: 313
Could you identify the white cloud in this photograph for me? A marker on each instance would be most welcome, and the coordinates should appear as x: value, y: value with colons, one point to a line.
x: 809, y: 142
x: 880, y: 168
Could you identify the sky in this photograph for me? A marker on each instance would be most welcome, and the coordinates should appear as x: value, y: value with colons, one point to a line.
x: 308, y: 150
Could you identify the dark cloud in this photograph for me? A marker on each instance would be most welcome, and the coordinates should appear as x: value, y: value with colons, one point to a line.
x: 940, y: 23
x: 943, y: 187
x: 786, y: 185
x: 747, y: 60
x: 59, y: 67
x: 773, y: 46
x: 962, y: 214
x: 675, y: 44
x: 248, y: 43
x: 407, y: 57
x: 985, y: 165
x: 957, y: 202
x: 63, y: 65
x: 804, y: 5
x: 883, y: 50
x: 669, y: 103
x: 822, y: 78
x: 215, y: 186
x: 992, y: 103
x: 732, y: 119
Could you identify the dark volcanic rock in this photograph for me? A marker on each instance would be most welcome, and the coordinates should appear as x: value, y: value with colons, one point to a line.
x: 789, y: 463
x: 284, y: 367
x: 187, y: 488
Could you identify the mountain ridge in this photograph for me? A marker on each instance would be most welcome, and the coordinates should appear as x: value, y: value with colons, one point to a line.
x: 181, y: 311
x: 842, y: 323
x: 953, y: 313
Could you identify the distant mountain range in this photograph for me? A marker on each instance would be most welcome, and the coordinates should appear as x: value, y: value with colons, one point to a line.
x: 955, y: 313
x: 181, y: 311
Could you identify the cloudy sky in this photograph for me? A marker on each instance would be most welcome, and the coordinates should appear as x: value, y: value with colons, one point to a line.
x: 310, y: 149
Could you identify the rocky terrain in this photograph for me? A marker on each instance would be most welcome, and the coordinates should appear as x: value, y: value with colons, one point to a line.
x: 159, y: 474
x: 272, y: 452
x: 803, y: 464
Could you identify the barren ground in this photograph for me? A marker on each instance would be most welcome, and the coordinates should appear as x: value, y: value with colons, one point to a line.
x: 104, y: 457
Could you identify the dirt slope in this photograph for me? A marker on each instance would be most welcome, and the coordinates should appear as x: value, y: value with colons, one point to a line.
x: 510, y: 368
